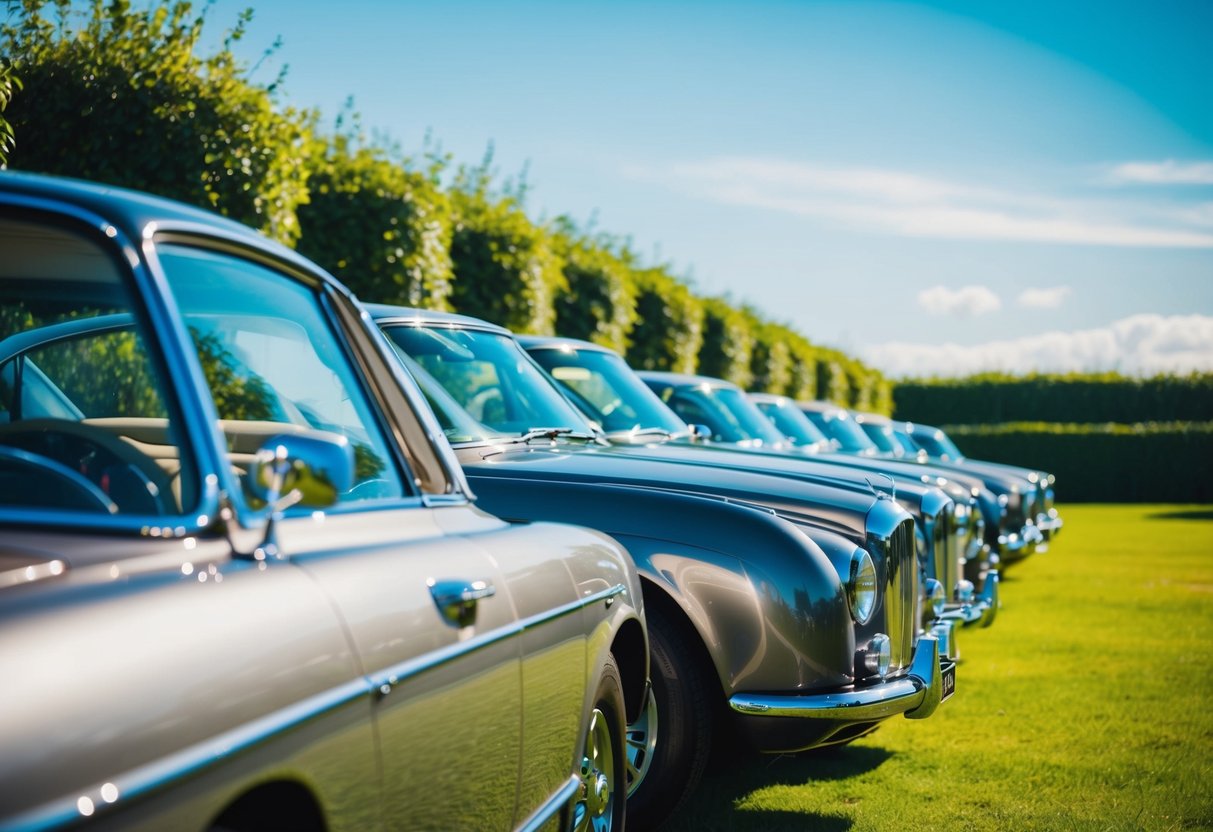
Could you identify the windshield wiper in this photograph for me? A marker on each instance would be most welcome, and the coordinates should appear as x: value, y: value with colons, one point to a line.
x: 640, y: 433
x: 552, y: 434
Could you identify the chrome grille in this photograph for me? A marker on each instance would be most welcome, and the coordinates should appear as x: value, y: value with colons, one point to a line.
x: 894, y: 552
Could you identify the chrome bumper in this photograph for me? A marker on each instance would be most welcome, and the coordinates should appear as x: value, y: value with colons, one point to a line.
x: 917, y: 694
x: 982, y: 610
x: 1018, y: 546
x: 1049, y: 524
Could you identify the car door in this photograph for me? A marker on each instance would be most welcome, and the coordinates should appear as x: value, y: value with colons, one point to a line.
x: 427, y: 613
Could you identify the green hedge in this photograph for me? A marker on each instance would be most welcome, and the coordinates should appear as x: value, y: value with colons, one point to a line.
x: 727, y: 342
x: 1152, y: 462
x: 669, y: 324
x: 991, y: 399
x: 598, y: 300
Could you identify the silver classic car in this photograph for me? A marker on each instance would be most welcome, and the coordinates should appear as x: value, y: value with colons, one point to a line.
x: 785, y: 609
x: 243, y: 584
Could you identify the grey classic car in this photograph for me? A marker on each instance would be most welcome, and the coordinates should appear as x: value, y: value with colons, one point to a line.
x: 243, y: 584
x: 787, y: 606
x: 618, y: 399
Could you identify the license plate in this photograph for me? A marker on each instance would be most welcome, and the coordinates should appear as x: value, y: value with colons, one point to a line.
x: 947, y: 674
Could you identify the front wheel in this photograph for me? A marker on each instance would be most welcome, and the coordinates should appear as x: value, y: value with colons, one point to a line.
x: 601, y: 796
x: 686, y: 706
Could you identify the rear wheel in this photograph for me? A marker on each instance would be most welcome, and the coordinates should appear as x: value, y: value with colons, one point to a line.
x: 683, y: 695
x: 603, y: 791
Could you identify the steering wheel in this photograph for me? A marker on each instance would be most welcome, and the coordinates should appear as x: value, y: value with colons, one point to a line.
x: 34, y: 481
x: 128, y: 477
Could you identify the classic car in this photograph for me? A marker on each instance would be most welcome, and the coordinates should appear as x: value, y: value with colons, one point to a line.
x: 243, y: 583
x: 938, y: 447
x: 615, y: 397
x: 784, y: 610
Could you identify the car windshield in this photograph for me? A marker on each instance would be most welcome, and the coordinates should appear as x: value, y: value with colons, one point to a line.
x: 937, y: 444
x: 882, y: 437
x: 726, y: 412
x: 907, y: 444
x: 491, y: 379
x: 608, y: 391
x: 790, y: 421
x: 841, y: 427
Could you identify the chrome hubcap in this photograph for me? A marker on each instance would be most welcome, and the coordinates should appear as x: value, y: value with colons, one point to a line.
x: 596, y: 796
x: 641, y: 743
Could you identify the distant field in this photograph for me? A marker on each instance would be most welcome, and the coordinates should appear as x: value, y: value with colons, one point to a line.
x: 1087, y: 706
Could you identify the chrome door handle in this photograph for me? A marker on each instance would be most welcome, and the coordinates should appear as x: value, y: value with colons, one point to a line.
x: 456, y: 600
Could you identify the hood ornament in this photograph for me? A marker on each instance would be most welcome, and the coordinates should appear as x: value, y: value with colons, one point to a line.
x: 891, y: 494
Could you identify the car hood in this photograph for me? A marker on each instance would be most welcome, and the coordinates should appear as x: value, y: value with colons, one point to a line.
x: 831, y: 507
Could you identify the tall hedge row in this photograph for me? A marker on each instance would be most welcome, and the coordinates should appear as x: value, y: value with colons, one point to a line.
x: 1151, y: 462
x: 990, y: 399
x: 120, y: 95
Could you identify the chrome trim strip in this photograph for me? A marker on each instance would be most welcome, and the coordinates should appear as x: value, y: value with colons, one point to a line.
x: 388, y: 678
x: 156, y: 774
x: 159, y: 773
x: 552, y: 806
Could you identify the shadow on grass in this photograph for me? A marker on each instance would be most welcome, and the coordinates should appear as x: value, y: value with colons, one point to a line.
x: 731, y: 778
x: 1191, y: 514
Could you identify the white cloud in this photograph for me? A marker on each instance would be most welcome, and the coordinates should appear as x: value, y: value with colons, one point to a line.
x: 911, y: 205
x: 1044, y: 298
x: 1168, y: 172
x: 1138, y: 345
x: 965, y: 302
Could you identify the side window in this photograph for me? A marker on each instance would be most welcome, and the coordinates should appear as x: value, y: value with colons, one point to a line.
x: 274, y: 364
x: 83, y: 418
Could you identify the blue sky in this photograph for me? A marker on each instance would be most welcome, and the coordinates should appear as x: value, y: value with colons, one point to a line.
x: 941, y: 187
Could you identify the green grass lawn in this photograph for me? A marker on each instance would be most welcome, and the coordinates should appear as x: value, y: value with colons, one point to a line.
x: 1088, y: 705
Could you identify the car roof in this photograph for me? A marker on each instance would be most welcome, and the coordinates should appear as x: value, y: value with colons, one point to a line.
x: 820, y: 406
x: 769, y: 398
x: 133, y: 212
x: 684, y: 379
x: 555, y: 342
x: 388, y: 313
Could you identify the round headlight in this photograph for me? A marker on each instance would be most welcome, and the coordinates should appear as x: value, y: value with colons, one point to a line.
x: 861, y: 588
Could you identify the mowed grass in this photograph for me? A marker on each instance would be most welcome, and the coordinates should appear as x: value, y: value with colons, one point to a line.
x: 1088, y: 705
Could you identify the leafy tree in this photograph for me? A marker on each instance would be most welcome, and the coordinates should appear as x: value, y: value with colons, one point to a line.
x: 727, y: 342
x: 598, y: 301
x: 10, y: 84
x: 802, y: 377
x: 669, y: 326
x: 771, y: 361
x: 506, y: 268
x: 122, y: 97
x: 380, y: 228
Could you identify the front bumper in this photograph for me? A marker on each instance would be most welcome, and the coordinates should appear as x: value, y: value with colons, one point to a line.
x: 777, y: 723
x: 1049, y: 524
x: 982, y: 610
x: 1015, y: 547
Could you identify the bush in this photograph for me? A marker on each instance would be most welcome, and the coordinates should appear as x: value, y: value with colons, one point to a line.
x: 598, y: 299
x: 506, y: 269
x: 381, y: 229
x: 990, y: 399
x: 669, y: 324
x: 1151, y: 462
x: 124, y: 99
x: 771, y: 362
x: 727, y: 343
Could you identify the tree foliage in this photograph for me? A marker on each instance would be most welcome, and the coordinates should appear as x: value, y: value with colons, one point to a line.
x: 380, y: 228
x: 506, y: 268
x: 121, y: 96
x: 727, y: 342
x: 598, y: 299
x: 771, y: 359
x: 10, y: 85
x: 669, y: 324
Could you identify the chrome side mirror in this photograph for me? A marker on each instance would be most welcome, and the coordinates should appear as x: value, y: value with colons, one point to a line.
x: 310, y: 469
x: 700, y: 433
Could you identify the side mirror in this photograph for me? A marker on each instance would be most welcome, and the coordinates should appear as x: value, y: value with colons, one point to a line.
x: 700, y: 433
x: 311, y: 469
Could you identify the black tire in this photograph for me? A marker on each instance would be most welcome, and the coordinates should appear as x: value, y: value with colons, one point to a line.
x: 686, y: 712
x: 602, y: 801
